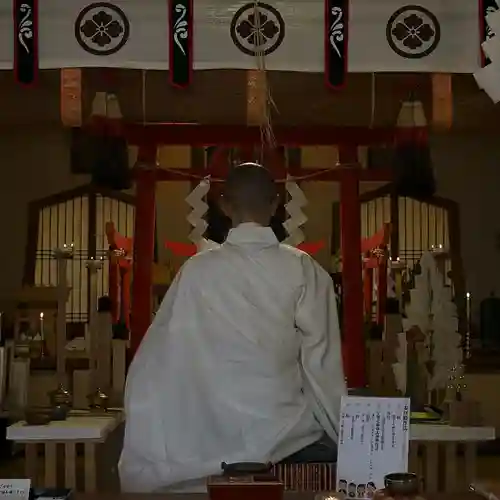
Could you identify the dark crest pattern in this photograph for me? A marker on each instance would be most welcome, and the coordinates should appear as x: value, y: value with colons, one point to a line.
x: 102, y: 29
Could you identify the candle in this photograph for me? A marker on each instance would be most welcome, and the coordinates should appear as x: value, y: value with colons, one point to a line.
x: 438, y: 249
x: 65, y: 252
x: 41, y: 326
x: 469, y: 321
x: 468, y: 309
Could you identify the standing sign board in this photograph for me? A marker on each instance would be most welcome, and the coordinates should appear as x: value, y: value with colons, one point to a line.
x: 373, y: 442
x: 15, y: 489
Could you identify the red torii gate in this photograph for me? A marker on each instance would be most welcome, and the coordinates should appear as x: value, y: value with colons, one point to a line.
x: 150, y: 136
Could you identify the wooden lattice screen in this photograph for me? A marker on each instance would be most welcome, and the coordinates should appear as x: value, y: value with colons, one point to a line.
x: 79, y: 217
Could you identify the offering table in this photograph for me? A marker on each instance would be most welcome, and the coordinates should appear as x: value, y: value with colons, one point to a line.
x: 60, y: 440
x: 445, y: 456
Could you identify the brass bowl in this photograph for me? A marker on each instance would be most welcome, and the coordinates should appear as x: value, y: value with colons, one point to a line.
x: 37, y: 416
x: 245, y: 468
x: 60, y: 397
x: 401, y: 484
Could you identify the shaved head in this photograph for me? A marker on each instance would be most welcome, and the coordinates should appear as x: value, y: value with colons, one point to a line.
x: 250, y: 194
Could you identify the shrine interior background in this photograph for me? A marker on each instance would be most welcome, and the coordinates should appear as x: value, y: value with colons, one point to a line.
x: 35, y: 155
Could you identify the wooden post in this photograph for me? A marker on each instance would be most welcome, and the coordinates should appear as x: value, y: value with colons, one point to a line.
x: 368, y: 292
x: 144, y: 244
x: 352, y: 280
x: 62, y: 255
x: 381, y: 289
x: 93, y: 348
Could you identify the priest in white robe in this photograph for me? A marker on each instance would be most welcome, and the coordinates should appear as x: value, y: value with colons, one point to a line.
x: 243, y: 360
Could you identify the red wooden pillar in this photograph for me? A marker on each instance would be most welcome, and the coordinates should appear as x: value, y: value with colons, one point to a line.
x: 352, y: 280
x: 144, y: 244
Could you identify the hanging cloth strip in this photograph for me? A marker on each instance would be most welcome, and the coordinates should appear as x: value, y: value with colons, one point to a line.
x: 120, y: 274
x: 180, y: 42
x: 336, y: 42
x: 25, y: 41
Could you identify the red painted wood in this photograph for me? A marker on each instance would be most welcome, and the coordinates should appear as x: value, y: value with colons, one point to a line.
x: 235, y: 135
x: 378, y: 240
x: 144, y: 236
x: 309, y: 174
x: 352, y: 279
x: 246, y: 152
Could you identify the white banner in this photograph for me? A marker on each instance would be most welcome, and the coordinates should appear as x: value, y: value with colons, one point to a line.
x: 384, y: 35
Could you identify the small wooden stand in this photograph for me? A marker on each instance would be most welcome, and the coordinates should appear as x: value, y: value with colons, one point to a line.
x: 89, y: 431
x: 244, y: 488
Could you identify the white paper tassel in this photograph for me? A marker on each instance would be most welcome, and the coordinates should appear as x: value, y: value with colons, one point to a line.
x: 195, y: 199
x: 432, y: 310
x: 488, y: 78
x: 399, y: 368
x: 297, y: 217
x: 493, y: 21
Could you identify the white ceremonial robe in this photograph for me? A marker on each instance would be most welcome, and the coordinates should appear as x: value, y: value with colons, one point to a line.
x: 242, y: 363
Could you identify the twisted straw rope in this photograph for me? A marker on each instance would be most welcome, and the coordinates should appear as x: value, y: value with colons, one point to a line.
x: 262, y: 84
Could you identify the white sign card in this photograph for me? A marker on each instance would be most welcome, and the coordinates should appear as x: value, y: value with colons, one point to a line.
x: 15, y: 489
x: 373, y: 442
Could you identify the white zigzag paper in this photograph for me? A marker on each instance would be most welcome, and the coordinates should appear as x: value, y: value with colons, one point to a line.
x: 297, y: 217
x: 399, y: 368
x: 195, y: 200
x: 488, y: 78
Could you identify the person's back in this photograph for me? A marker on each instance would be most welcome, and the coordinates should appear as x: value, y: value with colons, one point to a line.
x: 242, y: 363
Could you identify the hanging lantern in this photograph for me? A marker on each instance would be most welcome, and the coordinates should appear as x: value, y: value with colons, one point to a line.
x: 413, y: 172
x: 103, y: 146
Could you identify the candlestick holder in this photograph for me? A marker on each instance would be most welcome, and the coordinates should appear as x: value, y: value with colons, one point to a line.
x: 65, y: 252
x: 98, y: 401
x: 93, y: 265
x: 398, y: 265
x: 439, y: 250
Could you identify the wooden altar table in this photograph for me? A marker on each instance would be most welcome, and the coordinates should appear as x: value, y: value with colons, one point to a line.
x: 442, y: 455
x: 59, y: 441
x: 200, y: 496
x: 445, y: 456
